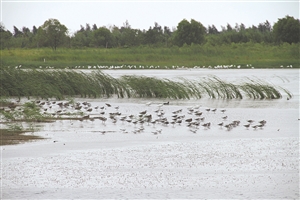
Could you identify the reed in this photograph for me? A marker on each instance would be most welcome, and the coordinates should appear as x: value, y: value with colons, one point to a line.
x: 192, y: 89
x: 69, y: 83
x: 259, y: 89
x: 109, y: 85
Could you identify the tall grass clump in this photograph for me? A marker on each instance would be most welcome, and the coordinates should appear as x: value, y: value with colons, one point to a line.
x: 69, y: 83
x: 192, y: 88
x: 109, y: 85
x: 258, y: 89
x: 57, y: 83
x: 217, y: 88
x: 149, y: 87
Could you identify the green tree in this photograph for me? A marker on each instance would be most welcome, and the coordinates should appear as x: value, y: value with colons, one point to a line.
x: 40, y: 37
x: 80, y: 40
x: 212, y: 30
x: 189, y: 32
x: 94, y: 27
x: 264, y: 27
x: 154, y: 35
x: 26, y: 37
x: 103, y: 37
x: 34, y: 30
x: 83, y: 37
x: 5, y: 37
x: 17, y: 32
x: 287, y: 30
x: 167, y: 36
x: 128, y: 35
x: 54, y: 32
x: 116, y: 34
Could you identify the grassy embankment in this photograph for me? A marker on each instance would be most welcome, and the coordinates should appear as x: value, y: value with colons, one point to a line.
x: 258, y: 55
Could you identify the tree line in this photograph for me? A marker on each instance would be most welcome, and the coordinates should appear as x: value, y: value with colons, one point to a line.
x: 54, y: 34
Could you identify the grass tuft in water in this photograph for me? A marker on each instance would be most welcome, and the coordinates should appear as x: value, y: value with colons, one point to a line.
x: 69, y: 83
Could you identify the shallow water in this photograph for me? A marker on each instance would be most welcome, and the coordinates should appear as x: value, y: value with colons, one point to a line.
x: 176, y: 163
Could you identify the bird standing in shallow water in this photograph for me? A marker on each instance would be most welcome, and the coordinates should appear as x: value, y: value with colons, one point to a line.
x: 224, y: 117
x: 221, y: 124
x: 103, y: 132
x: 263, y: 122
x: 247, y: 125
x: 228, y: 126
x: 260, y: 126
x: 250, y: 121
x: 193, y: 130
x: 154, y: 132
x: 189, y: 120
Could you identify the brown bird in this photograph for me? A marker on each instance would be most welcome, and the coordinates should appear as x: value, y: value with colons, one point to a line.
x: 263, y: 122
x: 166, y: 103
x: 193, y: 130
x: 197, y: 113
x: 86, y: 117
x: 255, y: 126
x: 103, y: 132
x: 224, y: 117
x: 189, y: 120
x: 247, y: 125
x: 143, y: 112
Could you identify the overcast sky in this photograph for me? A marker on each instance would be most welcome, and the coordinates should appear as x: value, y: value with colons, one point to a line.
x: 142, y: 14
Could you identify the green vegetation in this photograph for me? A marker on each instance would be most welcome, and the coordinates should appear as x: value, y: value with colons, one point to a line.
x: 51, y: 33
x: 12, y: 115
x: 68, y: 83
x: 28, y: 112
x: 4, y: 102
x: 189, y: 33
x: 189, y: 45
x: 287, y: 30
x: 258, y: 55
x: 54, y: 34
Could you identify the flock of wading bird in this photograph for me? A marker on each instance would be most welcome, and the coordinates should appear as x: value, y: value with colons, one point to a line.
x: 193, y: 117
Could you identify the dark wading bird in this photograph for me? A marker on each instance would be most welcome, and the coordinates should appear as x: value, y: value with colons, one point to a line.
x: 247, y: 125
x: 221, y: 124
x: 166, y: 103
x: 189, y: 120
